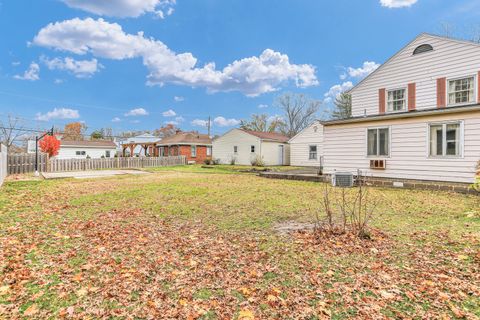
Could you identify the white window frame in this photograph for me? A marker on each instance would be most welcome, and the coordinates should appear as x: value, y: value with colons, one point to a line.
x: 475, y: 93
x: 405, y: 106
x: 108, y: 154
x: 235, y: 149
x: 378, y: 140
x: 310, y: 152
x: 193, y: 151
x: 252, y: 147
x: 444, y: 124
x: 80, y: 153
x: 209, y: 151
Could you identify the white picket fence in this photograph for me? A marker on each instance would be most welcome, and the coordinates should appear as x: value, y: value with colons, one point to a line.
x: 25, y: 163
x: 3, y: 163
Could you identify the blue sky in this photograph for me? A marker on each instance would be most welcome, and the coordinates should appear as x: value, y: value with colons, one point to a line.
x: 133, y: 65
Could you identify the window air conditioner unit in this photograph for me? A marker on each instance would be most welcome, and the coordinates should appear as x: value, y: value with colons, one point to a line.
x: 378, y: 164
x: 342, y: 179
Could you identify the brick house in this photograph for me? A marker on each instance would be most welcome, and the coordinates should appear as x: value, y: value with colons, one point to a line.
x: 195, y: 146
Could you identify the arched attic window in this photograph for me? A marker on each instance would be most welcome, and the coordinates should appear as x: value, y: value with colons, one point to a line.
x: 422, y: 48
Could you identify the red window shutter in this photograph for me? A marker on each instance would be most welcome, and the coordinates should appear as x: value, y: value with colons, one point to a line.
x: 381, y: 101
x: 441, y: 92
x: 412, y: 96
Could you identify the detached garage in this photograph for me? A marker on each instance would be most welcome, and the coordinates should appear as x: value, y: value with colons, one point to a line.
x: 306, y: 148
x: 244, y: 146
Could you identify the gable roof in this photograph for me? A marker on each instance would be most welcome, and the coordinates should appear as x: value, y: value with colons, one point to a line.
x: 186, y: 138
x: 267, y: 136
x: 88, y: 143
x: 315, y: 122
x: 423, y: 34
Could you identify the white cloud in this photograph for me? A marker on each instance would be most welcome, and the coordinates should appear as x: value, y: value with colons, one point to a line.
x: 199, y: 123
x: 361, y: 72
x: 31, y: 74
x: 116, y: 119
x: 124, y: 8
x: 169, y: 113
x: 275, y: 118
x: 16, y: 63
x: 178, y: 99
x: 136, y: 112
x: 336, y: 90
x: 176, y: 122
x: 135, y: 121
x: 80, y: 68
x: 222, y: 122
x: 262, y: 106
x: 397, y: 3
x: 252, y: 76
x: 58, y: 113
x: 58, y: 81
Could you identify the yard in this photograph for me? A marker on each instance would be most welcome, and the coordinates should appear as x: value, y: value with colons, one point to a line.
x: 195, y: 243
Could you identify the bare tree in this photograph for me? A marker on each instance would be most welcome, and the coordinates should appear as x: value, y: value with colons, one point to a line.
x: 11, y: 130
x: 300, y: 111
x: 263, y: 123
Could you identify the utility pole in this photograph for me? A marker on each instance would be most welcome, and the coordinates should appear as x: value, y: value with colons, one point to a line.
x: 208, y: 125
x: 37, y: 138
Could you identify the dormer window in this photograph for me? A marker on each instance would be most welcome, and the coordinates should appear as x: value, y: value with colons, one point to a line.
x: 396, y: 100
x: 422, y: 48
x: 461, y: 91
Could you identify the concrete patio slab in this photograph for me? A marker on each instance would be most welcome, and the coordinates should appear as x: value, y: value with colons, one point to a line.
x: 89, y: 174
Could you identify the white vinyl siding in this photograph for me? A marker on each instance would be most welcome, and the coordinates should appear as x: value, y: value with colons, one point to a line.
x: 450, y: 59
x: 239, y: 145
x: 84, y: 152
x: 409, y: 149
x: 300, y: 146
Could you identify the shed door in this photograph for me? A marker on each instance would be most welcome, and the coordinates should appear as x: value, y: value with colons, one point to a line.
x: 280, y: 155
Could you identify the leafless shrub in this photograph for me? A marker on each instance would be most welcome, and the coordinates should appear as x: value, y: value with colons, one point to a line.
x: 257, y: 161
x: 347, y: 209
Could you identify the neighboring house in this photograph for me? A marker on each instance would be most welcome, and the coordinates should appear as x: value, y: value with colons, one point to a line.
x: 306, y: 148
x: 195, y: 146
x: 83, y: 149
x: 416, y: 117
x: 244, y: 146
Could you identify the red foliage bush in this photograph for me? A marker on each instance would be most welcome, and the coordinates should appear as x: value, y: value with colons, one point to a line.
x: 50, y: 145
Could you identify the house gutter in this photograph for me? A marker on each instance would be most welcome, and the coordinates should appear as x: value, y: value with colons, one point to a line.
x: 404, y: 115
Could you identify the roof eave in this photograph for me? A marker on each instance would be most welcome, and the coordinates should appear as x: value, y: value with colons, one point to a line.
x: 409, y: 114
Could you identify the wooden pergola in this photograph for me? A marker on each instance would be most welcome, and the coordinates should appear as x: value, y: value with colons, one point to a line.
x: 148, y: 148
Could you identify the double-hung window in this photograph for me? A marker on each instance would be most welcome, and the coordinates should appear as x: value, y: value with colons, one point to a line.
x: 193, y: 151
x: 378, y: 142
x: 80, y: 153
x: 235, y: 149
x: 461, y: 91
x: 445, y: 139
x: 312, y: 152
x: 252, y: 149
x: 209, y: 151
x: 396, y: 100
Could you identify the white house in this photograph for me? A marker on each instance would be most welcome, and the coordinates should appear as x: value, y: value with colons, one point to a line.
x: 83, y: 149
x: 306, y: 148
x: 245, y: 145
x: 416, y: 117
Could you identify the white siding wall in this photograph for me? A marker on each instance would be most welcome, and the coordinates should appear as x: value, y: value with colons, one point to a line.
x: 271, y: 153
x: 299, y: 146
x: 345, y: 149
x: 94, y: 153
x: 223, y: 147
x: 449, y: 59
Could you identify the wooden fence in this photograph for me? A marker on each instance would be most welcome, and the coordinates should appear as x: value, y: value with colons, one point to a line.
x: 3, y: 163
x: 25, y: 163
x: 19, y: 163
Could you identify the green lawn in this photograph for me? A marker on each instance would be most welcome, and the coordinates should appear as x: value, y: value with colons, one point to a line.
x: 189, y: 242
